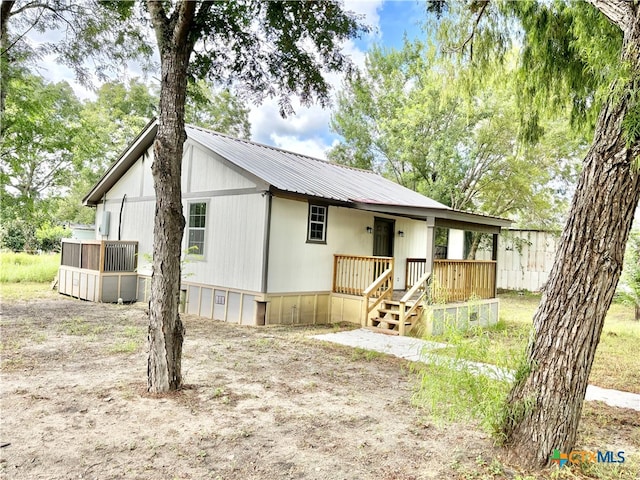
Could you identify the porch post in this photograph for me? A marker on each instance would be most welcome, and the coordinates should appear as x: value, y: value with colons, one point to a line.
x: 494, y: 257
x: 431, y: 244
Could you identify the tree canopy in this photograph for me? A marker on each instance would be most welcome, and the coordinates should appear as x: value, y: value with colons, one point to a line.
x: 430, y: 124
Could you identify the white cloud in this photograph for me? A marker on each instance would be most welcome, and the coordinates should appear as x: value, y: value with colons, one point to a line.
x: 312, y: 147
x: 309, y: 127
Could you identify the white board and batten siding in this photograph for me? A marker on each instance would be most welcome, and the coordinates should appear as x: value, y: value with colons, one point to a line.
x: 300, y: 273
x: 234, y: 232
x: 525, y: 259
x: 298, y: 266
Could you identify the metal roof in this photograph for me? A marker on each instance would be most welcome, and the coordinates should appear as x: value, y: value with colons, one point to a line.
x: 302, y: 175
x: 295, y: 173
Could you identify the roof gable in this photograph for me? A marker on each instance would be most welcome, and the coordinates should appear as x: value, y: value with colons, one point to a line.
x: 300, y: 174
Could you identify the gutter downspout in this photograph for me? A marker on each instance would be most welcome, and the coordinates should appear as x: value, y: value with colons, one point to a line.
x: 265, y: 247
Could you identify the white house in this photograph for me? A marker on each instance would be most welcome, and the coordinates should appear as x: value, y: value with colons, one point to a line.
x: 271, y: 236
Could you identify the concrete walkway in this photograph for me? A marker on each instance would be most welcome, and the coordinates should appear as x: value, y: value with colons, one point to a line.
x: 418, y: 350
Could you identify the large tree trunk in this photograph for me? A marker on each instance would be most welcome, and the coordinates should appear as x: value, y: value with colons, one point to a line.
x: 544, y: 406
x: 166, y: 331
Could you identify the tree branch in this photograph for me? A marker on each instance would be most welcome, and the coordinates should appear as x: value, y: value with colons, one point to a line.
x: 618, y: 11
x: 160, y: 23
x: 469, y: 39
x: 184, y: 22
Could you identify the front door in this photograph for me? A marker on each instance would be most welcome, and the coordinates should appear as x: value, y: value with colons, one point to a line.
x: 383, y: 230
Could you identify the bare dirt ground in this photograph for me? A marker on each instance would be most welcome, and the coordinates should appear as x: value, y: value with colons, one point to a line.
x: 260, y: 403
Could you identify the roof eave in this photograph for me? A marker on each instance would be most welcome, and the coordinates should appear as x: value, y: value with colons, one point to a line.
x: 444, y: 217
x: 136, y: 148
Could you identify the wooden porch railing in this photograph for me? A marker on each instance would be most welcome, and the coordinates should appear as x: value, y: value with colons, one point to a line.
x: 460, y: 280
x: 415, y: 269
x: 421, y: 285
x: 380, y: 289
x: 353, y: 274
x: 456, y: 280
x: 100, y: 255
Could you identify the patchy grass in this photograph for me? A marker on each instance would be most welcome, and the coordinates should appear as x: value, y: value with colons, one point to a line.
x: 131, y: 340
x: 27, y: 291
x: 24, y: 267
x: 615, y: 365
x: 364, y: 354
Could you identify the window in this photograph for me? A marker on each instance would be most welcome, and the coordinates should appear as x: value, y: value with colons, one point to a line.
x: 195, y: 229
x: 317, y: 229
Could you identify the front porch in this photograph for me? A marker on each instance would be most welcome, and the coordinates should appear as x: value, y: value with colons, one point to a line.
x: 448, y: 284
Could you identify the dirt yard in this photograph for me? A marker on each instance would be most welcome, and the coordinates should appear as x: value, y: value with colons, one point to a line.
x: 260, y: 403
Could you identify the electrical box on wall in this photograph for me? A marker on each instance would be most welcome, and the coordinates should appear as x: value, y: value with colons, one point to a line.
x: 104, y: 225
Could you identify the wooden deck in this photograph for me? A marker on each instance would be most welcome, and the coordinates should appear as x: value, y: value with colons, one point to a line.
x: 396, y: 312
x: 99, y: 270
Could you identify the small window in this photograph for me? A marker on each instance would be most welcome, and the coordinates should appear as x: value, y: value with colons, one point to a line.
x: 196, y: 228
x: 317, y: 229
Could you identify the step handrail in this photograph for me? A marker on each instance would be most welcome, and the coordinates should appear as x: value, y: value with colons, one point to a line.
x: 404, y: 313
x: 385, y: 276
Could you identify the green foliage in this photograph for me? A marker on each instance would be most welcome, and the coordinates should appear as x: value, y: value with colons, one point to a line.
x: 629, y: 288
x: 24, y: 267
x: 49, y: 236
x: 431, y: 125
x: 217, y: 110
x: 17, y: 235
x: 454, y: 391
x: 570, y: 57
x: 37, y: 155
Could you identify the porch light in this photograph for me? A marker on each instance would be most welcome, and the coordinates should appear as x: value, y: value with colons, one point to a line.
x: 400, y: 233
x: 369, y: 229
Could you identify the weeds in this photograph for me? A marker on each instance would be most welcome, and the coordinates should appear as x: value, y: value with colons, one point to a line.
x: 24, y: 267
x: 127, y: 346
x: 80, y: 327
x: 456, y: 389
x: 364, y: 354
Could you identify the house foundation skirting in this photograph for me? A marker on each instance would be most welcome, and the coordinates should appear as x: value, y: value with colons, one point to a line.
x: 460, y: 316
x: 96, y: 286
x: 211, y: 301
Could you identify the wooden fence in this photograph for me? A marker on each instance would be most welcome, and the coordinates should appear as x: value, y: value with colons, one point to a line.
x: 353, y: 274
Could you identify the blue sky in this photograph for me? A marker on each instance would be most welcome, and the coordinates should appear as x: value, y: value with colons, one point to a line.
x: 308, y: 131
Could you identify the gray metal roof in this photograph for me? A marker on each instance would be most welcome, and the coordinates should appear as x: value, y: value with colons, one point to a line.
x: 299, y: 174
x: 295, y: 173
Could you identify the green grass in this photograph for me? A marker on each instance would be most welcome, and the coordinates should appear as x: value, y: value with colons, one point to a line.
x: 615, y: 364
x: 27, y: 291
x: 24, y: 267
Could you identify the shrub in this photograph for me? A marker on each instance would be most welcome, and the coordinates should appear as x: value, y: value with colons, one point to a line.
x: 17, y: 235
x: 48, y: 237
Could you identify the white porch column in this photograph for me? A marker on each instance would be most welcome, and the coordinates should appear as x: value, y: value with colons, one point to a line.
x: 455, y: 247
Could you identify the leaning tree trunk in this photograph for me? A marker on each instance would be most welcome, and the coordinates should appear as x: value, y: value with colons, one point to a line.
x: 166, y: 331
x: 544, y: 406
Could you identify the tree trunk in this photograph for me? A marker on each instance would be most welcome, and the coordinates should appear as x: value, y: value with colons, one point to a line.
x: 475, y: 243
x: 5, y: 14
x: 545, y: 404
x: 166, y: 331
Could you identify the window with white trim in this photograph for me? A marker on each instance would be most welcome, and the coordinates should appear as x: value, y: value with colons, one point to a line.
x: 317, y: 227
x: 196, y: 228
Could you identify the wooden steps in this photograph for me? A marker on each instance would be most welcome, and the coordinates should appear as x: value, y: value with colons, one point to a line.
x: 388, y: 319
